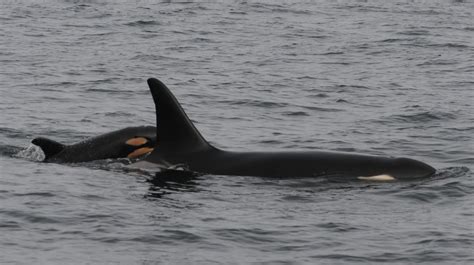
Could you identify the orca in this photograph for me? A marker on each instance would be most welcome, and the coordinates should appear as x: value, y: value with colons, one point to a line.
x: 182, y: 146
x: 131, y: 142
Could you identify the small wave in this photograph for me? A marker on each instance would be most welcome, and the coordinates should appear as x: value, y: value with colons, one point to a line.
x: 302, y: 34
x: 419, y: 196
x: 152, y: 239
x: 306, y: 77
x: 9, y: 150
x: 285, y: 9
x: 321, y: 109
x: 9, y: 224
x: 247, y: 235
x: 119, y: 114
x: 12, y: 133
x: 201, y: 40
x: 392, y: 40
x: 438, y: 45
x: 82, y: 26
x: 295, y: 113
x: 438, y: 62
x: 446, y: 185
x: 431, y: 12
x: 274, y: 142
x: 451, y: 172
x: 183, y: 236
x: 337, y: 227
x: 462, y: 161
x: 152, y: 57
x: 37, y: 194
x: 101, y: 34
x: 296, y: 198
x: 105, y: 80
x: 337, y: 63
x: 422, y: 117
x: 102, y: 90
x: 418, y: 32
x: 332, y: 53
x: 140, y: 23
x: 255, y: 103
x: 30, y: 217
x: 320, y: 95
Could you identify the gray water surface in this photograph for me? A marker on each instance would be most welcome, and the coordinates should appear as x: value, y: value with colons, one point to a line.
x: 376, y: 77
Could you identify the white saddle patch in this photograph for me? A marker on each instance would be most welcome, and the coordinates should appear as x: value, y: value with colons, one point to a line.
x: 383, y: 177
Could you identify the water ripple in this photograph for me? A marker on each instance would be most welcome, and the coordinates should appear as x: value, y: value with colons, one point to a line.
x: 378, y: 77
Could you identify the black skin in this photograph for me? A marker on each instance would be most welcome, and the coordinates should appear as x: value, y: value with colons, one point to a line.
x: 105, y: 146
x: 182, y: 144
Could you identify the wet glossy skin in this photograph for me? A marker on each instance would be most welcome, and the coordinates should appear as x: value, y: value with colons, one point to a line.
x: 130, y: 142
x: 182, y: 144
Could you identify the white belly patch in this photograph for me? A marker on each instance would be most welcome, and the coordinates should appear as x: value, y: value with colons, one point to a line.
x: 383, y: 177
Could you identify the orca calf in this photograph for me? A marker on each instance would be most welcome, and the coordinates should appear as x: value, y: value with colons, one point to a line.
x: 181, y: 145
x: 131, y: 142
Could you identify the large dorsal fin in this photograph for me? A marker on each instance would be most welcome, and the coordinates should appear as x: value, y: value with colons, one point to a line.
x: 49, y: 147
x: 174, y: 131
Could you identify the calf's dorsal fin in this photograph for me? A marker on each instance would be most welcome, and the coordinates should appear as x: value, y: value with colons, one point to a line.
x: 174, y: 130
x: 49, y: 147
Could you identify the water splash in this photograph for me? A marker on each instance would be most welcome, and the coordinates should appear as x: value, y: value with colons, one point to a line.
x: 32, y: 153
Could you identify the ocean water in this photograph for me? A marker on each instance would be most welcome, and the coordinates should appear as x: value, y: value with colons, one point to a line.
x: 377, y: 77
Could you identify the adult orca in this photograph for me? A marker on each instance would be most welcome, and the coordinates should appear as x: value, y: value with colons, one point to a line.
x: 131, y: 142
x: 180, y: 144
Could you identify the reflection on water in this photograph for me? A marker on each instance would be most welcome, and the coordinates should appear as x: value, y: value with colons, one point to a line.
x: 171, y: 180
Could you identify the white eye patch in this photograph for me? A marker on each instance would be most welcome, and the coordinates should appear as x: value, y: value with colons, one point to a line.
x: 136, y: 141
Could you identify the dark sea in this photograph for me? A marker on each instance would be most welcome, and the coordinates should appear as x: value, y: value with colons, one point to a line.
x: 389, y: 78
